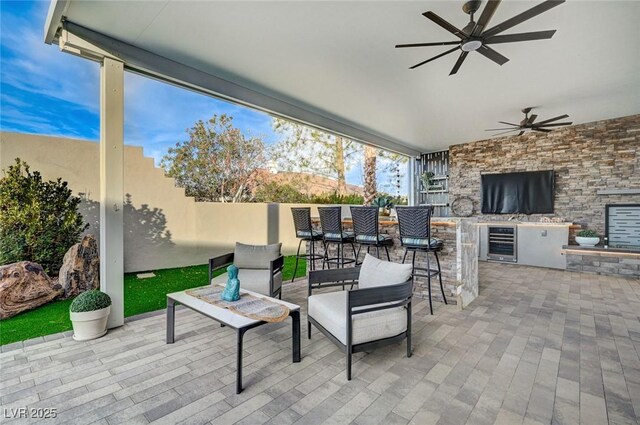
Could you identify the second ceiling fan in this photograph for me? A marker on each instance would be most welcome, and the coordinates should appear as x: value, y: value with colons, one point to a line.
x: 474, y: 37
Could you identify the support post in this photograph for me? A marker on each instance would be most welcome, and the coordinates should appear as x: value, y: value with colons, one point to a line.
x: 112, y: 186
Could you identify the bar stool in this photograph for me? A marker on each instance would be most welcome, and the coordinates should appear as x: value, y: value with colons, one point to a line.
x: 332, y: 233
x: 415, y: 235
x: 366, y: 230
x: 305, y: 232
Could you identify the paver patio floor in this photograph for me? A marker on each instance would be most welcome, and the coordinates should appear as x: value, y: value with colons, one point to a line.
x: 537, y: 347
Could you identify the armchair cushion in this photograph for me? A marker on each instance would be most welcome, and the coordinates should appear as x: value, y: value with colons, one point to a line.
x: 330, y: 311
x: 375, y: 272
x: 253, y: 280
x: 255, y: 256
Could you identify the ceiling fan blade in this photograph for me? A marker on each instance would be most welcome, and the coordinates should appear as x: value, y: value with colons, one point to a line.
x: 559, y: 117
x: 489, y: 53
x: 521, y: 133
x: 525, y: 36
x: 531, y: 119
x: 461, y: 59
x: 508, y: 123
x: 434, y: 58
x: 441, y: 43
x: 544, y: 130
x: 505, y: 132
x: 487, y: 14
x: 524, y: 16
x: 553, y: 125
x: 444, y: 24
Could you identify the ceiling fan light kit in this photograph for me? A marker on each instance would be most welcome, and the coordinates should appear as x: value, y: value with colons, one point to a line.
x: 474, y: 38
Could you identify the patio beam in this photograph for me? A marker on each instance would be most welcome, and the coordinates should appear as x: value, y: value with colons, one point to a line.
x: 158, y: 67
x: 112, y: 186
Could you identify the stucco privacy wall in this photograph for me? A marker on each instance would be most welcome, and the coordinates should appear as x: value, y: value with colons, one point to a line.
x: 586, y: 158
x: 163, y: 227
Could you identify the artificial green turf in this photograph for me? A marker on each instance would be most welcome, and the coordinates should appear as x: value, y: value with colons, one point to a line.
x: 140, y: 296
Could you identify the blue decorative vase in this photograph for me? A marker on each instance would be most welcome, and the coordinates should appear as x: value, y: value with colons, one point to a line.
x: 232, y: 289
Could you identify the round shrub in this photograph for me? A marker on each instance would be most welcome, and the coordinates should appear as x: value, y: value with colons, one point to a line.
x: 588, y: 234
x: 90, y: 301
x: 39, y: 220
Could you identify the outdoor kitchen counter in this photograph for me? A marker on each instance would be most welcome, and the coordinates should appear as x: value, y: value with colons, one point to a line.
x: 458, y: 258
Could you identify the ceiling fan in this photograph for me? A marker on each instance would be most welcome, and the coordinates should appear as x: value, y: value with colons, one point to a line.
x: 474, y: 38
x: 528, y: 123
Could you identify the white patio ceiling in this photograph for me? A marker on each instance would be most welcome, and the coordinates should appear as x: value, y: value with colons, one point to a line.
x: 337, y: 60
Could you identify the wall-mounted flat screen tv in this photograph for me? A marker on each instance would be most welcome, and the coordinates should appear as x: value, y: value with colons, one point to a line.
x: 518, y: 193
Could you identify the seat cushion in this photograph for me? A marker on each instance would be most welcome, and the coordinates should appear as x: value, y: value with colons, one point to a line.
x: 330, y: 311
x: 375, y: 272
x: 338, y: 236
x: 306, y: 234
x: 432, y: 243
x: 255, y: 256
x: 253, y: 280
x: 372, y: 238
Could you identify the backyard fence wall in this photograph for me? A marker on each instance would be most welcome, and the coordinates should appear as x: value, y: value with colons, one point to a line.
x: 163, y: 227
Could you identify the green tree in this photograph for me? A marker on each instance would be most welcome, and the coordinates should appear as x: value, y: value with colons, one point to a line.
x: 217, y: 163
x: 305, y: 149
x: 279, y: 192
x: 39, y: 220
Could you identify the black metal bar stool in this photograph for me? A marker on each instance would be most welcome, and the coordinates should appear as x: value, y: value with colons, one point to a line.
x: 332, y: 233
x: 415, y: 235
x: 367, y: 232
x: 305, y: 232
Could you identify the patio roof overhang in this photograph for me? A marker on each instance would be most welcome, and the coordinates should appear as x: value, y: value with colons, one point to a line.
x: 332, y: 65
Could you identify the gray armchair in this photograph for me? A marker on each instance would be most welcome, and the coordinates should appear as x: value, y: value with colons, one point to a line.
x: 372, y: 316
x: 259, y: 268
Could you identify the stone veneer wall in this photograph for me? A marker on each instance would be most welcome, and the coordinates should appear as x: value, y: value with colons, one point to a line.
x: 604, y: 263
x: 585, y: 158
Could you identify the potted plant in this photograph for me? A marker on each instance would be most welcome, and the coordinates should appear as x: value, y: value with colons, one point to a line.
x: 587, y: 238
x: 428, y: 181
x: 384, y: 204
x: 89, y: 313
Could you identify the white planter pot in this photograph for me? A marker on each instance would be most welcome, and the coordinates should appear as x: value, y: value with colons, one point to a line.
x: 90, y: 324
x: 582, y: 241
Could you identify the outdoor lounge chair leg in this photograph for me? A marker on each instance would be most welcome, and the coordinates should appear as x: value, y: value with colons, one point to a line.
x: 308, y: 329
x: 378, y: 252
x: 358, y: 254
x: 387, y: 250
x: 405, y: 255
x: 295, y: 268
x: 325, y: 256
x: 349, y: 363
x: 429, y: 284
x: 312, y: 260
x: 440, y: 276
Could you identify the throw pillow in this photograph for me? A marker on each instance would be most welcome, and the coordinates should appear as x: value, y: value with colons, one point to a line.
x: 255, y: 256
x: 375, y: 272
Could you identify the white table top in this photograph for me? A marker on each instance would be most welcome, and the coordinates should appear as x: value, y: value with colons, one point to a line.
x: 223, y: 314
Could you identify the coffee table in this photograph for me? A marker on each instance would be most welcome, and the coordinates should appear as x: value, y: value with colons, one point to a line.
x: 233, y: 320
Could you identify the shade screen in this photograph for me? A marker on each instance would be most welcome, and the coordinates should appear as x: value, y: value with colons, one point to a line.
x: 518, y: 193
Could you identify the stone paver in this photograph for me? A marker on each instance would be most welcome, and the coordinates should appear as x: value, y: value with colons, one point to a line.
x: 538, y: 346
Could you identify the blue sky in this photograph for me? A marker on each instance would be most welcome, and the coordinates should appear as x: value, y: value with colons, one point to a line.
x: 45, y: 91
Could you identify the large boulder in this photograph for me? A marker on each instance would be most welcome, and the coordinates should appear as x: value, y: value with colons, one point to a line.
x: 24, y: 286
x: 80, y: 269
